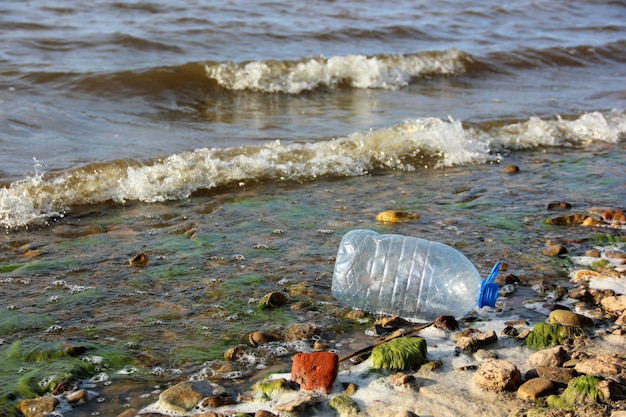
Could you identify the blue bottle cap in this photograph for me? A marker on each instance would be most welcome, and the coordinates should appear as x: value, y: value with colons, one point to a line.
x: 488, y: 290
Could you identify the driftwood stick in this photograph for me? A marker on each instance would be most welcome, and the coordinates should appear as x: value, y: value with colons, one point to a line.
x: 396, y: 334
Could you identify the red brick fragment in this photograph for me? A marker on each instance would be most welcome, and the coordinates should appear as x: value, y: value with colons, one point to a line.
x: 315, y: 371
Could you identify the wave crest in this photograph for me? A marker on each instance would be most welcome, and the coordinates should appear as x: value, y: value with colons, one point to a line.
x: 356, y: 71
x: 408, y: 146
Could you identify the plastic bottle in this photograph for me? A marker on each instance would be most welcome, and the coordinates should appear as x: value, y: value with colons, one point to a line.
x: 413, y: 278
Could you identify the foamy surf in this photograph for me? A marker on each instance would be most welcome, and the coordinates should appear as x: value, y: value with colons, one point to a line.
x: 357, y: 71
x: 408, y: 146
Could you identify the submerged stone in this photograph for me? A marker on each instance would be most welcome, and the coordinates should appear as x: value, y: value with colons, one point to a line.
x: 401, y: 353
x: 569, y: 220
x: 183, y: 397
x: 393, y: 216
x: 37, y: 407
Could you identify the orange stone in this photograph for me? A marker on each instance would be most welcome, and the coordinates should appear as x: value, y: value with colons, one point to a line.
x: 315, y: 371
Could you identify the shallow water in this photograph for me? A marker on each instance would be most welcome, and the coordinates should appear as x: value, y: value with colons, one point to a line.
x: 213, y: 256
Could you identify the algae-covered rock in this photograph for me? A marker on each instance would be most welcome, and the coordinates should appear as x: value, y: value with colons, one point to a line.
x: 544, y: 335
x: 344, y: 405
x: 266, y: 388
x: 579, y: 390
x: 402, y: 353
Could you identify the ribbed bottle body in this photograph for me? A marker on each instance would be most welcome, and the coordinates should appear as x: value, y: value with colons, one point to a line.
x: 406, y: 276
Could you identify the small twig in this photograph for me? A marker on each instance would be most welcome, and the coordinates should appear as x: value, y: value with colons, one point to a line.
x: 394, y: 335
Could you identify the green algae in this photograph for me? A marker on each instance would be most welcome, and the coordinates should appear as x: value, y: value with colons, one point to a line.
x: 11, y: 321
x: 401, y: 353
x: 545, y: 335
x: 9, y: 267
x: 266, y: 388
x: 31, y: 367
x: 581, y: 389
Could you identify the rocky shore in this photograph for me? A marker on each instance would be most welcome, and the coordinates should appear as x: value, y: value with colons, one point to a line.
x: 571, y: 361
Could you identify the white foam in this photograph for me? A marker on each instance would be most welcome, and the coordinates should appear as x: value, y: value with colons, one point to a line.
x: 357, y: 71
x: 411, y: 145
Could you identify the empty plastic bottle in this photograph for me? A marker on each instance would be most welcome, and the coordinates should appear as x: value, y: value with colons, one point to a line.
x: 413, y: 278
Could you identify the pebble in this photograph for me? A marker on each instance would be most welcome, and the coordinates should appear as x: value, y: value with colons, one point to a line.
x: 554, y: 250
x: 535, y: 388
x: 511, y: 169
x: 498, y: 375
x: 394, y: 216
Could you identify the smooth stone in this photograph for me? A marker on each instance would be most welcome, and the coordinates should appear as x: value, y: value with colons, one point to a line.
x: 77, y: 396
x: 182, y: 397
x: 511, y: 169
x: 401, y: 378
x: 554, y: 357
x: 264, y: 413
x: 554, y: 250
x: 535, y: 388
x: 569, y: 318
x: 498, y: 375
x: 258, y: 338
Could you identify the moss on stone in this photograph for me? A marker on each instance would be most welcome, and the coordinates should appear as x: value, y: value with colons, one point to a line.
x: 401, y: 353
x: 581, y: 389
x: 344, y: 405
x: 544, y: 335
x: 266, y: 388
